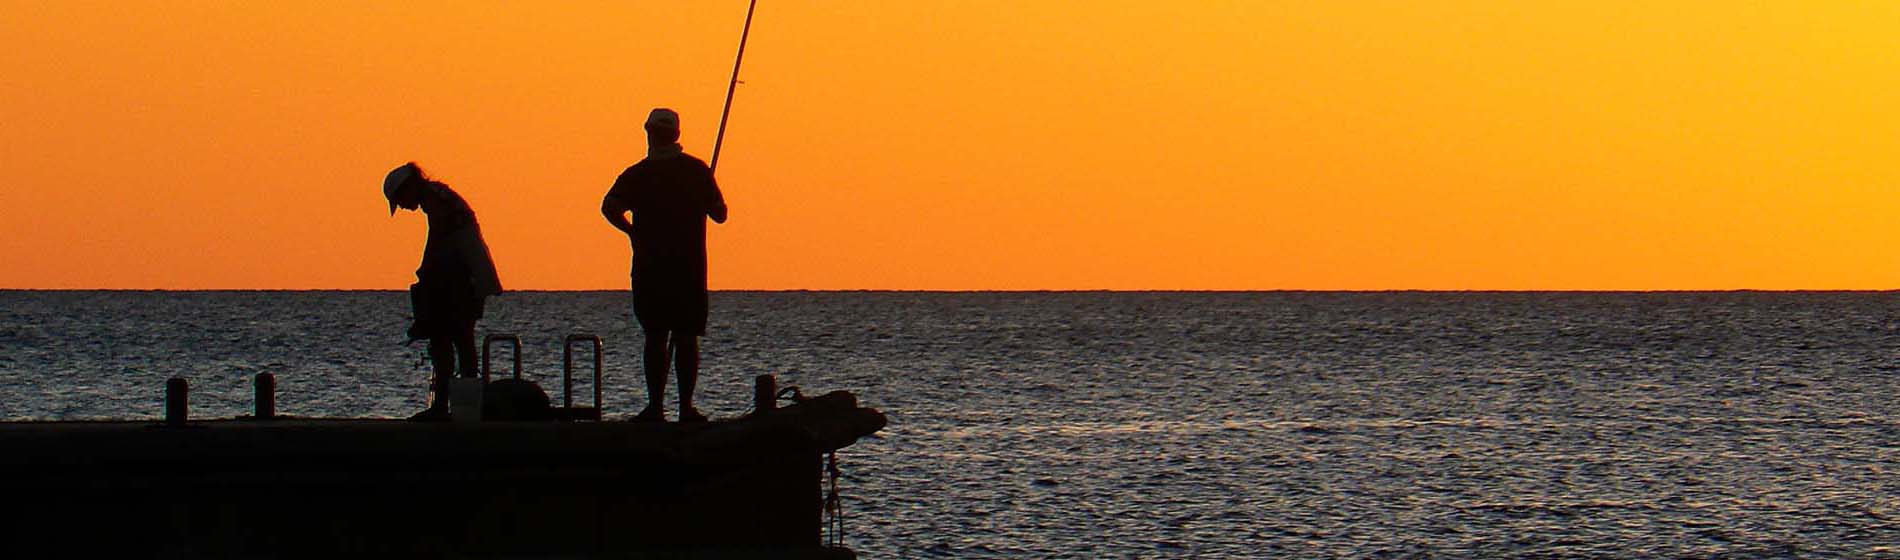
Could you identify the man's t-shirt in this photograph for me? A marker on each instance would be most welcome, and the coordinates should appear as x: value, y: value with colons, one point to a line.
x: 670, y: 198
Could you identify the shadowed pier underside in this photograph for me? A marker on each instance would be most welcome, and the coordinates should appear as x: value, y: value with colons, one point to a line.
x: 326, y: 487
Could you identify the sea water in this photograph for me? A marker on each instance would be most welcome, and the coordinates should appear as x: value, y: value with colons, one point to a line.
x: 1137, y: 425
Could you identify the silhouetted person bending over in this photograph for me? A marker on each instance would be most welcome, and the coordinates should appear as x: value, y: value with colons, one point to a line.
x: 452, y: 285
x: 670, y: 195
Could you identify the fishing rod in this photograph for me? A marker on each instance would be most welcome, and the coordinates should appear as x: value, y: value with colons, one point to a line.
x: 720, y: 138
x: 732, y: 86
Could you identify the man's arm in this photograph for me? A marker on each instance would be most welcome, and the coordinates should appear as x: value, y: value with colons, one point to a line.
x: 716, y: 209
x: 616, y: 213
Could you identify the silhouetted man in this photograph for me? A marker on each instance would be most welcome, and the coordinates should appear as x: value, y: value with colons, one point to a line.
x: 670, y: 195
x: 452, y: 285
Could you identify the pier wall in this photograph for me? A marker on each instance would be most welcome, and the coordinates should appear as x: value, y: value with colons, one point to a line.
x: 354, y: 488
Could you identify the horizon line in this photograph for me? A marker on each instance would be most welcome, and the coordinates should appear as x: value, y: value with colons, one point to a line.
x: 1034, y: 291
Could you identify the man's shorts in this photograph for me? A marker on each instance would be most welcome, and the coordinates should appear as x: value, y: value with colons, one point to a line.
x: 670, y: 304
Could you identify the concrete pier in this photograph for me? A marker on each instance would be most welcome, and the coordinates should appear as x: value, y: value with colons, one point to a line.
x: 330, y: 488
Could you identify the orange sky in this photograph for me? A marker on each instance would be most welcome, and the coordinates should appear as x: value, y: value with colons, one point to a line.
x: 968, y: 145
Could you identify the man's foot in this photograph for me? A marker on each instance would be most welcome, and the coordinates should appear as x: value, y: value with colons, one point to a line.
x: 689, y: 415
x: 651, y: 414
x: 431, y: 414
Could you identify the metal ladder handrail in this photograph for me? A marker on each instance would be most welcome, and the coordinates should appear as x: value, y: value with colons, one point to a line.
x: 489, y: 342
x: 567, y: 369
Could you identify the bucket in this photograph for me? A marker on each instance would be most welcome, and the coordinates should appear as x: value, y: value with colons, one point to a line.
x: 465, y: 400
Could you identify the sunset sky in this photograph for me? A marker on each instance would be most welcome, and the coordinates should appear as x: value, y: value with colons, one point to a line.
x: 968, y: 145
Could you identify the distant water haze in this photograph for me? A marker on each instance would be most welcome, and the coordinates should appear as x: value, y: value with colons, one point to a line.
x: 1204, y: 425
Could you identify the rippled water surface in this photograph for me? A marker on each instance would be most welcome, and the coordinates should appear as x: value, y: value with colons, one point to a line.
x: 1091, y: 425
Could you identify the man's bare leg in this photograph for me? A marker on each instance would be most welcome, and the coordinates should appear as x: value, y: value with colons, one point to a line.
x: 442, y: 358
x: 686, y: 363
x: 656, y: 362
x: 464, y: 342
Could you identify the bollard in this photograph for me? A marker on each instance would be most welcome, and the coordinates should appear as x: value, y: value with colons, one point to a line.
x: 765, y: 393
x: 266, y: 399
x: 176, y: 393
